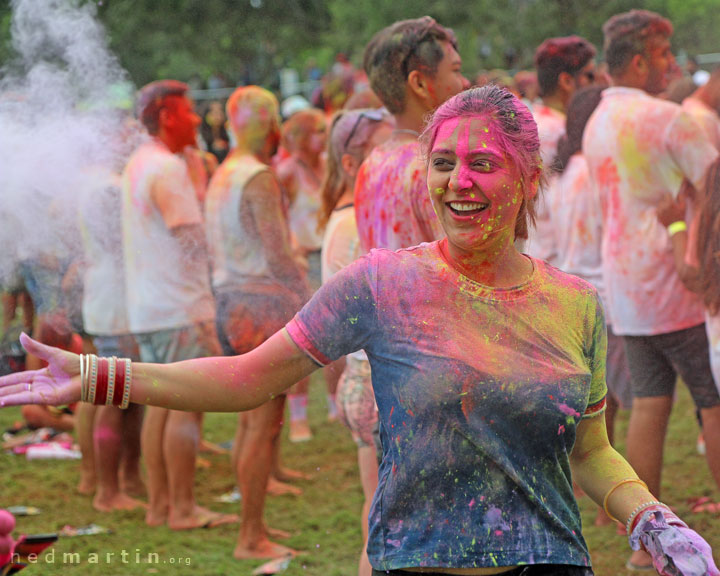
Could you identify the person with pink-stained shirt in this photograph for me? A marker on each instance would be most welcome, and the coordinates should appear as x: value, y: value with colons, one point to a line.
x: 170, y: 306
x: 639, y: 150
x: 413, y: 67
x: 488, y: 368
x: 353, y: 135
x: 563, y: 65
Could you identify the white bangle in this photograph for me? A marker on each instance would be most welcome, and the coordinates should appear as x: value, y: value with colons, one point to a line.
x: 638, y: 510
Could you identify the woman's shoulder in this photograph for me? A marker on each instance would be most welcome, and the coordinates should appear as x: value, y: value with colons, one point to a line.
x: 556, y: 279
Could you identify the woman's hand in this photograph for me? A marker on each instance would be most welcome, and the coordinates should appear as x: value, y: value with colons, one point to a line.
x: 55, y: 385
x: 676, y: 550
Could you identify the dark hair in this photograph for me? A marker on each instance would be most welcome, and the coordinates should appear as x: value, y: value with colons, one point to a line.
x: 151, y: 99
x: 399, y: 49
x: 708, y: 242
x: 580, y: 108
x: 556, y: 55
x: 517, y: 136
x: 627, y: 34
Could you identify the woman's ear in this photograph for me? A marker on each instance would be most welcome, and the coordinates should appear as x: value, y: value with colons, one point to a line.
x: 350, y: 165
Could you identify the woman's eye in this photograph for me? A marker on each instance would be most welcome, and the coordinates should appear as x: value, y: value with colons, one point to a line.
x: 442, y: 163
x: 483, y: 165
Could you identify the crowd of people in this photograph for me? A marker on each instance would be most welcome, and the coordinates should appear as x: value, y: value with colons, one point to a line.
x: 485, y: 273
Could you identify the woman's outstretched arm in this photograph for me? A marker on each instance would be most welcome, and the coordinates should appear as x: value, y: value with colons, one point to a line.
x: 221, y: 384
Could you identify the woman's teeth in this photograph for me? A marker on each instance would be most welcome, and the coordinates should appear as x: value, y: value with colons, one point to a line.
x: 467, y: 206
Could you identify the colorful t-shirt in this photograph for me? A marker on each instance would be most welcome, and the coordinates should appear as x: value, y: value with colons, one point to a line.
x: 576, y: 219
x: 541, y: 238
x: 639, y: 149
x: 162, y: 292
x: 480, y: 392
x: 392, y: 203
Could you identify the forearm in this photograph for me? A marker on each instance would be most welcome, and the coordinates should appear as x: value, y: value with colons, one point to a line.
x: 599, y: 471
x: 222, y: 384
x: 689, y: 275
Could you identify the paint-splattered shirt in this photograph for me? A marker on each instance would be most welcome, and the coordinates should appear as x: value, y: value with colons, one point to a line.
x: 576, y: 219
x: 639, y: 149
x: 162, y: 293
x: 392, y: 203
x: 480, y: 392
x: 541, y: 238
x: 706, y: 117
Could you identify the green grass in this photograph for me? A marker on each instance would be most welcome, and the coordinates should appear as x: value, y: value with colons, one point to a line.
x: 324, y: 520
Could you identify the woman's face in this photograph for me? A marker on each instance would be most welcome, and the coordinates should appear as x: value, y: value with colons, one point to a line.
x: 475, y: 186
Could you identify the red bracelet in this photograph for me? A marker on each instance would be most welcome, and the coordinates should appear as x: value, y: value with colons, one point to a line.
x: 119, y: 383
x: 102, y: 382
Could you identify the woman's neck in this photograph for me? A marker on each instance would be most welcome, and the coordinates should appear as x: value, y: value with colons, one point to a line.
x: 498, y: 265
x: 346, y: 198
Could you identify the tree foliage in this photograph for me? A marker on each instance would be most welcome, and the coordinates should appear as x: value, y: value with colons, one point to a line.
x: 247, y: 40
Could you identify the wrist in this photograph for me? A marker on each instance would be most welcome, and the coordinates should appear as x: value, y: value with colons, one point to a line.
x: 676, y: 227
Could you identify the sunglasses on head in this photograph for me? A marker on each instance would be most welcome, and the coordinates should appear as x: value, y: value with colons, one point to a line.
x: 374, y: 115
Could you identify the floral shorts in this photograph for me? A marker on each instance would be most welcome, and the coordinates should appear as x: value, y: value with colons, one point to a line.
x: 356, y: 401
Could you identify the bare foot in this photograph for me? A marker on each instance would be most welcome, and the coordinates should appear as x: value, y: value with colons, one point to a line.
x: 202, y: 518
x: 211, y: 447
x: 156, y: 516
x: 277, y: 488
x: 639, y: 560
x: 133, y: 487
x: 288, y: 474
x: 202, y: 463
x: 86, y: 485
x: 276, y: 533
x: 300, y: 431
x: 602, y: 519
x: 119, y: 501
x: 263, y: 549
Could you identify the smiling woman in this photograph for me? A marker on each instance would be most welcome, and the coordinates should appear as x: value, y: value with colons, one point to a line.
x: 488, y: 369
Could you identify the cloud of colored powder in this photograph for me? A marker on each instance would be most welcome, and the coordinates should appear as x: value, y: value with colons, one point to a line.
x: 60, y: 116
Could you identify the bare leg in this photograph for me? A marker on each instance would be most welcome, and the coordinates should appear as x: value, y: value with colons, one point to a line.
x: 152, y: 447
x: 180, y: 445
x: 85, y: 422
x: 9, y: 304
x: 646, y: 437
x: 332, y: 373
x: 130, y: 478
x: 711, y: 430
x: 367, y: 462
x: 41, y: 417
x: 298, y: 399
x: 262, y: 426
x: 108, y: 449
x: 28, y: 311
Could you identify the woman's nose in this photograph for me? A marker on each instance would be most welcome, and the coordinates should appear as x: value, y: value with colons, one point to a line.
x: 459, y: 179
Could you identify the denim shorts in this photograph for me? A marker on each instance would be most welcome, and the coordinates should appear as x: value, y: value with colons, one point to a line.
x: 174, y: 345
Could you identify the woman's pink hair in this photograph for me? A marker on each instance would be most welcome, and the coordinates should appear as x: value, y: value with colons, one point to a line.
x: 516, y: 134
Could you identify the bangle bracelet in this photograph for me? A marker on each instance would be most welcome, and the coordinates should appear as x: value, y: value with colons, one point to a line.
x: 636, y: 513
x: 111, y: 381
x: 676, y: 227
x: 128, y: 382
x: 82, y: 377
x: 610, y: 492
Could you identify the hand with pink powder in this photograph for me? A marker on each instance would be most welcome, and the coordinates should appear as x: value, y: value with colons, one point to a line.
x: 56, y: 385
x: 676, y: 550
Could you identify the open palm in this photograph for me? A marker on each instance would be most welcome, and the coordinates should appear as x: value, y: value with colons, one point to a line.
x: 55, y: 385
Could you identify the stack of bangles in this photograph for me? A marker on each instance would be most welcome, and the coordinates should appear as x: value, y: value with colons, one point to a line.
x: 636, y: 514
x: 105, y: 381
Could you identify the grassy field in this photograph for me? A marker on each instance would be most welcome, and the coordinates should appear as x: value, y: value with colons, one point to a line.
x: 324, y: 520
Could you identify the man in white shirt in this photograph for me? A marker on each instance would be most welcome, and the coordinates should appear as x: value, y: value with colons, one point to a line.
x: 170, y: 305
x: 639, y: 150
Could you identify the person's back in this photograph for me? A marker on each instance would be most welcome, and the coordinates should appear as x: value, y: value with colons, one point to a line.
x: 639, y: 149
x: 237, y: 252
x: 393, y: 207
